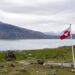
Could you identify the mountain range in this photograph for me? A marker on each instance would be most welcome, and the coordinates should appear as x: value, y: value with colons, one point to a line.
x: 54, y: 35
x: 8, y: 31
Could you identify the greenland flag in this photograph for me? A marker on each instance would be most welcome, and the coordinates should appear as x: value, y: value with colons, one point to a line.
x: 65, y: 34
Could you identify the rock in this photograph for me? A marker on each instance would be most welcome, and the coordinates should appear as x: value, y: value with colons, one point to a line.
x: 10, y: 55
x: 41, y: 62
x: 73, y: 70
x: 53, y: 72
x: 1, y: 66
x: 12, y: 65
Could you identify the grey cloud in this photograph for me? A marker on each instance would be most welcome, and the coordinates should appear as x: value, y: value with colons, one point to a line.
x: 49, y: 9
x: 45, y: 9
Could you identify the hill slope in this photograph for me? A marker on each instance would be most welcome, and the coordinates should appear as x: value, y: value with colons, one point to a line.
x: 57, y: 35
x: 8, y: 31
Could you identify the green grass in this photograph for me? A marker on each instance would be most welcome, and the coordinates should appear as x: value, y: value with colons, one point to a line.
x: 31, y: 69
x: 58, y: 54
x: 7, y: 69
x: 2, y: 55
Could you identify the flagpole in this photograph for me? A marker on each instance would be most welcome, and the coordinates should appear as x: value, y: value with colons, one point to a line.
x: 72, y: 47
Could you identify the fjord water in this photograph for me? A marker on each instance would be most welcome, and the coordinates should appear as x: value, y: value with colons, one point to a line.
x: 28, y: 44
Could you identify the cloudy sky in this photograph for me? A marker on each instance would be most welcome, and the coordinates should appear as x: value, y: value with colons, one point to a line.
x: 39, y: 15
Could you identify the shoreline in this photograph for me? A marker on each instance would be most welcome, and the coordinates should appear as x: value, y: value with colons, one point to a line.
x: 37, y: 48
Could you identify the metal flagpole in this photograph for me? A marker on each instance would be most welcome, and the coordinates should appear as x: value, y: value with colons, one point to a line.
x: 72, y: 46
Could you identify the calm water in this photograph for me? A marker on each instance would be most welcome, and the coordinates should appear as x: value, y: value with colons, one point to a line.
x: 33, y: 44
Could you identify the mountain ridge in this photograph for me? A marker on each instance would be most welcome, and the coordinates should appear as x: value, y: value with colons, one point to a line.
x: 8, y: 31
x: 54, y: 35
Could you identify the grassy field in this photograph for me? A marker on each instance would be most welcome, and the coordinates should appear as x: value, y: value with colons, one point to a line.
x: 15, y: 68
x: 58, y: 54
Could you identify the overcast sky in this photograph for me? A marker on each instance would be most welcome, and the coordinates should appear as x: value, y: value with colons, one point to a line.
x: 39, y: 15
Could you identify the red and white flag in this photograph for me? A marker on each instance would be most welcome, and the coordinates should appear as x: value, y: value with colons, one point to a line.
x: 65, y: 34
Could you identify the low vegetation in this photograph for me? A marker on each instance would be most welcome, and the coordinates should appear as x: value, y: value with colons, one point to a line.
x: 36, y: 58
x: 58, y: 54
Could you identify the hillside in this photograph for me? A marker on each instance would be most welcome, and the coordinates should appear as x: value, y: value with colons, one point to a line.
x: 56, y: 35
x: 8, y: 31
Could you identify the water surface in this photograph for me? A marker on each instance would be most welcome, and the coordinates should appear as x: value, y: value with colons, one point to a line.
x: 27, y: 44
